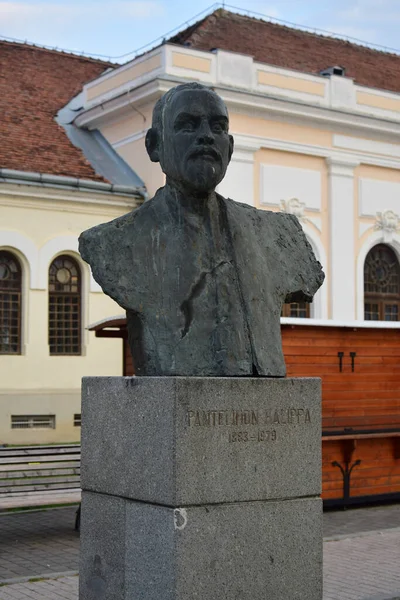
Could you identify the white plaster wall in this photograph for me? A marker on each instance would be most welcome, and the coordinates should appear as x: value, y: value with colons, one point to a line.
x: 283, y: 183
x: 235, y: 70
x: 377, y: 196
x: 342, y: 242
x: 319, y: 306
x: 238, y: 182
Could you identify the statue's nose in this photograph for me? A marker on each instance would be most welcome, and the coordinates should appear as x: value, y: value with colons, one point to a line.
x: 205, y: 135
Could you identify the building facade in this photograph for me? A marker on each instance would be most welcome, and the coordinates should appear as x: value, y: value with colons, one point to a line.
x: 316, y: 124
x: 49, y: 193
x: 320, y: 147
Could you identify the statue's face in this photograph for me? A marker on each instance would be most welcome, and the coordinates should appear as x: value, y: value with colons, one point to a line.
x: 196, y: 148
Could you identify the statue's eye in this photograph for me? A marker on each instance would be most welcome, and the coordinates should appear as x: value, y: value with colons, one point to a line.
x: 185, y: 125
x: 188, y: 126
x: 218, y: 126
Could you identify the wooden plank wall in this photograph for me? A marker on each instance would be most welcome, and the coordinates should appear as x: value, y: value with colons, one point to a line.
x: 369, y: 397
x: 128, y: 362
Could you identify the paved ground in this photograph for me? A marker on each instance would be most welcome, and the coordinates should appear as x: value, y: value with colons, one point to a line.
x: 363, y: 568
x: 39, y: 555
x: 37, y: 543
x: 356, y: 520
x: 63, y: 588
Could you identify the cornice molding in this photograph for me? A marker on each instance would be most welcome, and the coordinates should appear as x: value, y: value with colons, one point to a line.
x: 93, y: 118
x: 130, y: 138
x: 351, y: 121
x: 243, y: 101
x: 341, y: 166
x: 44, y: 198
x: 334, y: 156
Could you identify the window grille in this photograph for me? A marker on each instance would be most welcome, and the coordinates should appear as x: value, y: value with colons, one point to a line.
x: 10, y: 304
x: 299, y: 310
x: 33, y: 421
x: 64, y: 307
x: 381, y: 285
x: 77, y: 420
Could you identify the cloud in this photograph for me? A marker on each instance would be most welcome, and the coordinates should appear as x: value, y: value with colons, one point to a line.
x: 91, y: 25
x: 268, y: 10
x: 44, y: 12
x: 363, y: 34
x: 370, y: 11
x: 140, y: 10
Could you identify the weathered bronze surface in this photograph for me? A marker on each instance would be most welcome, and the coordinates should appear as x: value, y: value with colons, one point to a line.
x: 202, y: 278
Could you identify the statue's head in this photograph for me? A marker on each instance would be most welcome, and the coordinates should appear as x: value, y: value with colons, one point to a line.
x: 189, y: 137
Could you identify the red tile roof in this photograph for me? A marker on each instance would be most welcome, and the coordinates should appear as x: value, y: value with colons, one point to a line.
x: 35, y: 84
x: 285, y: 47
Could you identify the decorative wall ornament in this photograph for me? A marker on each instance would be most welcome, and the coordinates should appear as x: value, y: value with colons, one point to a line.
x: 388, y: 222
x: 293, y: 206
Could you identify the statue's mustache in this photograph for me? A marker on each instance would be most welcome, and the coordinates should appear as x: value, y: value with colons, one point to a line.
x: 205, y: 151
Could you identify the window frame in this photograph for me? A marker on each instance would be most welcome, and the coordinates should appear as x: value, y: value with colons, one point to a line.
x: 20, y: 293
x: 287, y: 308
x: 59, y: 294
x: 382, y: 299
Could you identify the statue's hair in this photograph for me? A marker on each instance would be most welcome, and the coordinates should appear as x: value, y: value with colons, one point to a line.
x: 163, y: 103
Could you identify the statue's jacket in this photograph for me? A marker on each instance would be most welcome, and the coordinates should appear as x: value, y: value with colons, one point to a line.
x: 203, y: 293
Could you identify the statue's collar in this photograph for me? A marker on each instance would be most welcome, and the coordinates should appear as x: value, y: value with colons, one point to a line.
x: 189, y: 207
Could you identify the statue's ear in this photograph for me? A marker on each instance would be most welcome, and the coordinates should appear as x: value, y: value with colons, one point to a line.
x: 231, y: 144
x: 152, y: 139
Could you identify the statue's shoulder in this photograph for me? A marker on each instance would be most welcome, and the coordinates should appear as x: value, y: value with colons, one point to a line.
x: 262, y: 218
x: 112, y: 250
x: 281, y: 235
x: 112, y: 237
x: 104, y: 234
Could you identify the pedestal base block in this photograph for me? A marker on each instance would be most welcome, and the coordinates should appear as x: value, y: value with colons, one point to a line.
x: 264, y: 550
x: 184, y: 441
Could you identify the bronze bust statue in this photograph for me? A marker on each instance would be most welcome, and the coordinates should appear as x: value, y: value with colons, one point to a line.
x: 201, y: 277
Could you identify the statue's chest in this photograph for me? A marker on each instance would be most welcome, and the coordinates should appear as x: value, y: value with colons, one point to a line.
x: 191, y: 271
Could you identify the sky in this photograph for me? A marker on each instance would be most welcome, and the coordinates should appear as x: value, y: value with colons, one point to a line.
x: 115, y: 28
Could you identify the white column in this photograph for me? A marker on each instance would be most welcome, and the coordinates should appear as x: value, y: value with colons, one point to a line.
x: 238, y: 183
x: 342, y: 242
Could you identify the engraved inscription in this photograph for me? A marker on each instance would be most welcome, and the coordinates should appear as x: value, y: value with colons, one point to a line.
x: 249, y: 419
x: 259, y: 436
x: 235, y: 418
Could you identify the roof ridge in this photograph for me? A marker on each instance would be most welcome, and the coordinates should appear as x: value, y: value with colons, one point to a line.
x: 183, y: 36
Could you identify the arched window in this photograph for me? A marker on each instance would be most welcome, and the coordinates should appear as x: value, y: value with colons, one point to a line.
x: 381, y: 285
x: 64, y: 306
x: 10, y: 304
x: 299, y: 310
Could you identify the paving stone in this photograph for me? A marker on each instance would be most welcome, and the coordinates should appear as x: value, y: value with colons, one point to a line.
x: 355, y: 520
x: 64, y: 588
x: 36, y: 542
x: 363, y: 568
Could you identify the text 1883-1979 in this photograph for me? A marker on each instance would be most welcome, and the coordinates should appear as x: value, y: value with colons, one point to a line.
x: 259, y: 436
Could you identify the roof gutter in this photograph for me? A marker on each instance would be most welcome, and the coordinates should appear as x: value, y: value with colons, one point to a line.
x: 64, y: 182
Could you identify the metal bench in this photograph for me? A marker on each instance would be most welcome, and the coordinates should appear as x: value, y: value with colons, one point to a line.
x: 32, y: 476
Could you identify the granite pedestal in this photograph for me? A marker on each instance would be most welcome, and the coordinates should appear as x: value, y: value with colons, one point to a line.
x: 201, y: 488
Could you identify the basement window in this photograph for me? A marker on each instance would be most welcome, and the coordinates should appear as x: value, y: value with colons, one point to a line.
x: 77, y: 420
x: 33, y: 422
